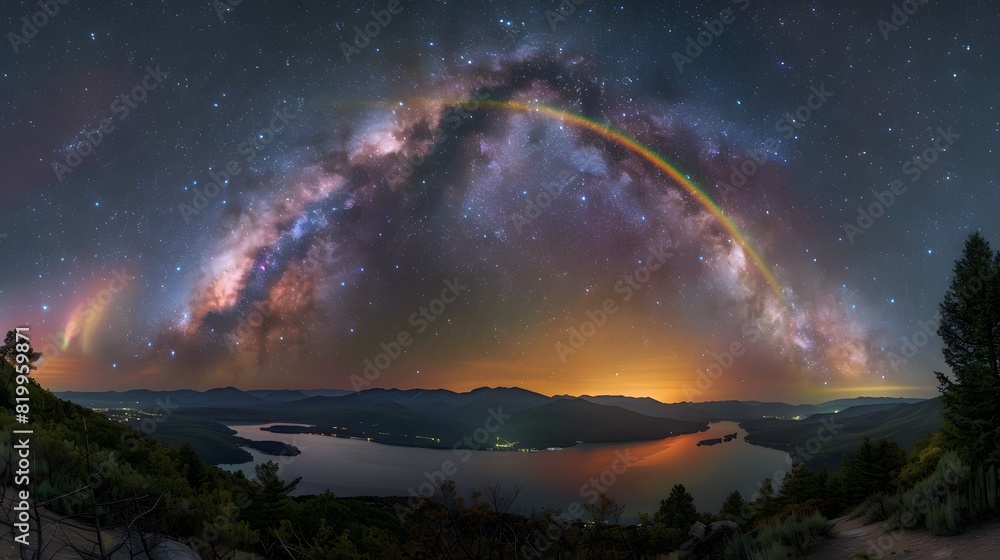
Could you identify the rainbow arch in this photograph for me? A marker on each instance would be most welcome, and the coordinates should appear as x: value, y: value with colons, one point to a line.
x: 652, y: 157
x: 639, y: 149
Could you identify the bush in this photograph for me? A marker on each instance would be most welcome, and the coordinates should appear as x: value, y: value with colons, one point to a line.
x: 945, y: 518
x: 739, y: 546
x: 975, y: 497
x: 983, y: 494
x: 772, y: 552
x: 922, y: 461
x: 879, y: 507
x: 950, y: 497
x: 800, y: 511
x: 794, y: 537
x: 925, y: 505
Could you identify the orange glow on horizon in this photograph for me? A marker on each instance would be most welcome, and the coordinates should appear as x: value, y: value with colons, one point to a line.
x: 64, y: 373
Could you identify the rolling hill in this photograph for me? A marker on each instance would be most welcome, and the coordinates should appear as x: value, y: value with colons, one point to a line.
x: 440, y: 418
x: 822, y: 439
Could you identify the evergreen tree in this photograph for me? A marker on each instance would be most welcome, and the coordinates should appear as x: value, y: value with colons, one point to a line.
x: 735, y: 508
x: 678, y: 510
x: 803, y: 486
x: 271, y: 486
x: 8, y: 353
x: 970, y: 332
x: 873, y: 469
x: 194, y: 469
x: 765, y: 504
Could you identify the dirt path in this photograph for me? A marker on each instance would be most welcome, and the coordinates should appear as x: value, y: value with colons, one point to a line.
x: 981, y: 540
x: 59, y: 533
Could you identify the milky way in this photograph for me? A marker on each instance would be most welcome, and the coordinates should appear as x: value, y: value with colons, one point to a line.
x: 318, y: 255
x: 438, y: 157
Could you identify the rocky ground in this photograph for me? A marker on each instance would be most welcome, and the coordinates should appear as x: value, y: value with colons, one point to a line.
x: 981, y: 540
x: 61, y: 535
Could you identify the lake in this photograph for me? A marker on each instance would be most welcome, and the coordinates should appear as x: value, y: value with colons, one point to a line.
x: 638, y: 474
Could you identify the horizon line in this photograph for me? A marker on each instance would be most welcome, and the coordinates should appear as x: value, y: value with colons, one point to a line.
x: 563, y: 395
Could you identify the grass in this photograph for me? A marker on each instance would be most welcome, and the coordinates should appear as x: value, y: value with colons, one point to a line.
x: 794, y: 537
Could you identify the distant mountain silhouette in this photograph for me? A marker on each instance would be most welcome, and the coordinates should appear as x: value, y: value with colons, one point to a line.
x: 902, y: 423
x: 440, y: 417
x: 714, y: 411
x: 562, y: 422
x: 280, y: 395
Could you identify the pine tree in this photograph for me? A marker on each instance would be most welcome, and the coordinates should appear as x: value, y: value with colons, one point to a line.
x: 270, y: 485
x: 735, y: 508
x: 678, y: 510
x: 194, y: 468
x: 970, y: 332
x: 873, y: 469
x: 802, y: 485
x: 765, y: 503
x: 8, y: 379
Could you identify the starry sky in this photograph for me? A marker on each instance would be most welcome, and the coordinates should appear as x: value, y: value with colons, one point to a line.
x: 646, y: 198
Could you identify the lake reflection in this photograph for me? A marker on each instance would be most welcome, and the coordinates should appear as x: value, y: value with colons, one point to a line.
x: 555, y: 479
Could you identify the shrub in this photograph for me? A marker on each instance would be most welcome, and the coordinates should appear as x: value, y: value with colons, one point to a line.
x: 794, y: 537
x: 772, y: 552
x: 879, y: 507
x: 799, y: 510
x: 951, y: 496
x: 931, y: 494
x: 983, y: 491
x: 945, y: 518
x: 739, y: 547
x: 923, y: 460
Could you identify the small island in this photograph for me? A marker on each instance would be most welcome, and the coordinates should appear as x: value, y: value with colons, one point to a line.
x: 716, y: 441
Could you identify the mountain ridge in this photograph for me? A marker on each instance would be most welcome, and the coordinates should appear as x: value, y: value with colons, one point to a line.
x: 440, y: 417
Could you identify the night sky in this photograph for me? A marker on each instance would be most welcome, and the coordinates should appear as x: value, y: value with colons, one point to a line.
x: 268, y: 200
